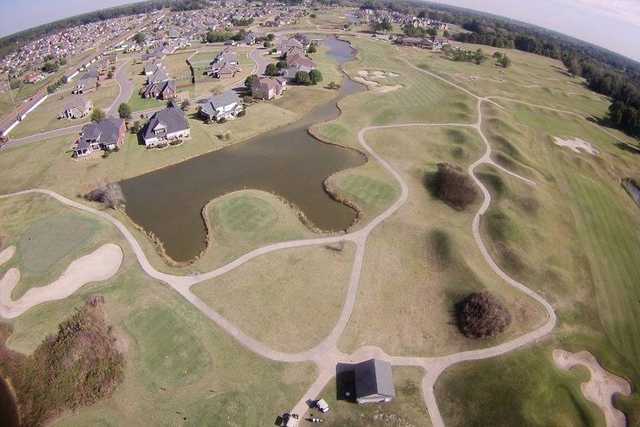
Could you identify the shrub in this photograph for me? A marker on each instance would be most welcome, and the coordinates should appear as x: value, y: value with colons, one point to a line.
x: 97, y: 115
x: 453, y: 187
x: 76, y: 367
x: 124, y: 111
x: 272, y: 70
x: 302, y: 78
x: 312, y: 49
x: 315, y: 76
x: 481, y: 315
x: 110, y: 195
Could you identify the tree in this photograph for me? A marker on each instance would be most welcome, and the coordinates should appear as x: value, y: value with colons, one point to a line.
x: 50, y: 67
x: 479, y: 57
x: 281, y: 65
x: 315, y: 76
x: 481, y: 315
x: 270, y: 37
x: 136, y: 127
x: 312, y: 49
x: 185, y: 105
x: 110, y: 74
x: 110, y: 195
x: 504, y: 61
x: 303, y: 78
x: 97, y: 115
x: 267, y: 44
x: 139, y: 38
x: 251, y: 81
x: 453, y: 187
x: 272, y: 70
x: 383, y: 26
x: 124, y: 111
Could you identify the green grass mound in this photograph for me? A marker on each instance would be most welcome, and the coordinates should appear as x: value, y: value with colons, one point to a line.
x: 440, y: 248
x: 245, y: 214
x: 521, y: 389
x: 47, y: 241
x: 170, y: 354
x: 77, y: 367
x: 367, y: 192
x: 456, y: 136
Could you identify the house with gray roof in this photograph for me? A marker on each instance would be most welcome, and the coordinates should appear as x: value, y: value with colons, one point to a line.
x: 107, y: 134
x: 161, y: 90
x: 159, y: 75
x: 225, y: 64
x: 226, y: 106
x: 165, y: 126
x: 77, y: 107
x: 374, y: 382
x: 87, y: 82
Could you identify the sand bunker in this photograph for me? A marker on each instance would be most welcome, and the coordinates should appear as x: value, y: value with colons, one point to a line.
x: 365, y: 77
x: 7, y: 254
x: 102, y: 264
x: 600, y: 387
x: 577, y: 145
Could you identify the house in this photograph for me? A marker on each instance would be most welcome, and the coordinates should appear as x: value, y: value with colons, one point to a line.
x: 160, y: 90
x: 151, y: 67
x: 158, y: 76
x: 33, y: 78
x: 250, y: 38
x: 77, y: 107
x: 225, y: 64
x: 285, y: 45
x: 300, y: 63
x: 431, y: 43
x: 166, y: 125
x: 268, y: 88
x: 374, y: 382
x: 85, y: 85
x: 107, y: 134
x: 88, y: 82
x: 226, y: 106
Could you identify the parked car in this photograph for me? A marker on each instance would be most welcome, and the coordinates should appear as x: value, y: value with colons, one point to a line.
x: 322, y: 406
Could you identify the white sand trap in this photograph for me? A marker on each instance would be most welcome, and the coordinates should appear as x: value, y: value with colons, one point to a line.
x: 577, y: 145
x: 373, y: 85
x: 601, y: 386
x: 102, y: 264
x: 7, y: 254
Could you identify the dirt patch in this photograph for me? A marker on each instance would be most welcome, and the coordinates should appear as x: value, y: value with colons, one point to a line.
x: 578, y: 145
x: 601, y: 386
x: 102, y: 264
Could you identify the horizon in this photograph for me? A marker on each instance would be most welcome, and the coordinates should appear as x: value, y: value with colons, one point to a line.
x: 571, y: 18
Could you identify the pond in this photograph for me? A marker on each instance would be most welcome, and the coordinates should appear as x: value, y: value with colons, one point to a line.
x: 288, y: 162
x: 8, y: 408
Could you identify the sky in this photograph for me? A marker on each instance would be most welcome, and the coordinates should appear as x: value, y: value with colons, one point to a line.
x: 614, y: 24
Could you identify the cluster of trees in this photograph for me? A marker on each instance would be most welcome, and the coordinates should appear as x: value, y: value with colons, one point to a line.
x: 313, y: 77
x: 50, y: 67
x: 184, y: 5
x: 411, y: 31
x: 383, y: 26
x: 242, y: 22
x: 463, y: 55
x: 59, y: 83
x: 223, y: 36
x: 502, y: 59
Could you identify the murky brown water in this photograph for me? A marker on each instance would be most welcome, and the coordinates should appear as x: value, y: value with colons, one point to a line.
x: 288, y: 162
x: 8, y: 408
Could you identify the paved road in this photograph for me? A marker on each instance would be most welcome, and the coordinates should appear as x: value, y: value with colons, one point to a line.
x: 124, y: 93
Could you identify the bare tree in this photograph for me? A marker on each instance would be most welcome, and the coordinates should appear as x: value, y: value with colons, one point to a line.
x: 110, y: 195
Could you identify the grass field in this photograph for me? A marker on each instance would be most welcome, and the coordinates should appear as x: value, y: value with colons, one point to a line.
x: 45, y: 117
x: 404, y: 281
x: 406, y: 410
x: 290, y: 308
x: 45, y: 244
x: 179, y: 367
x: 500, y: 393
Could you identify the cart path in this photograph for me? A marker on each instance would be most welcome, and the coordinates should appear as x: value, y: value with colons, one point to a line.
x: 326, y: 354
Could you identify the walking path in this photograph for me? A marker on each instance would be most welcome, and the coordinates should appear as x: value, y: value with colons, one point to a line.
x: 326, y: 354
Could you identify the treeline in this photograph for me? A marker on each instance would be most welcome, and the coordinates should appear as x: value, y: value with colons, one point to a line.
x: 12, y: 42
x: 606, y: 72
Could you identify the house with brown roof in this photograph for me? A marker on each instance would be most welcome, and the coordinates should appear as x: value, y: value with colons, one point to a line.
x: 268, y: 88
